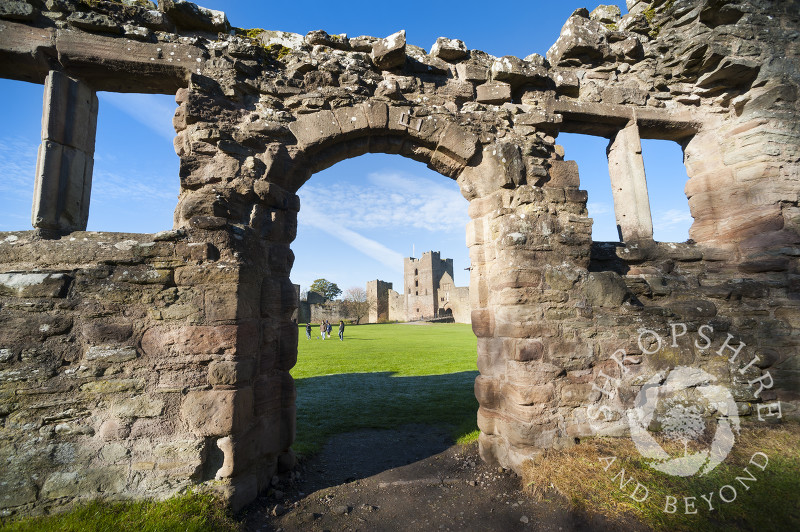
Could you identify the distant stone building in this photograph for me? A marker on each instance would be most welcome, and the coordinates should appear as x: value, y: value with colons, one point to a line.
x: 377, y: 295
x: 428, y: 293
x: 315, y: 308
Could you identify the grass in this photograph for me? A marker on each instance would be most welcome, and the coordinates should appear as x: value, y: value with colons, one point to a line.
x: 772, y: 502
x: 193, y: 512
x: 384, y: 376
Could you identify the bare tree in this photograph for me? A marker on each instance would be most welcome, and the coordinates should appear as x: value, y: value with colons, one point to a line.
x: 356, y: 305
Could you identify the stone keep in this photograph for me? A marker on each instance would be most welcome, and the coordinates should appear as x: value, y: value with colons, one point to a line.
x: 135, y: 365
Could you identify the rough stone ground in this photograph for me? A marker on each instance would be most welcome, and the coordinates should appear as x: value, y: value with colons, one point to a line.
x: 411, y: 478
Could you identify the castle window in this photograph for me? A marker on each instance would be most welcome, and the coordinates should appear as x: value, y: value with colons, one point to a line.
x: 416, y: 272
x: 416, y: 283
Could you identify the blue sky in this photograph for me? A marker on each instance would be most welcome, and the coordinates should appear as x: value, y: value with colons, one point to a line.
x: 360, y: 217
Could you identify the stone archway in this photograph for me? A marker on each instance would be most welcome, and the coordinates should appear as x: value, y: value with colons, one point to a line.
x: 173, y: 350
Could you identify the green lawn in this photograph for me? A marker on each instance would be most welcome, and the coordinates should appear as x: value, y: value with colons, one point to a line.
x: 384, y: 376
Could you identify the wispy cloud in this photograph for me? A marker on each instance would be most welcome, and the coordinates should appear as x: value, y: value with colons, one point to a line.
x: 108, y: 185
x: 673, y: 218
x: 151, y: 110
x: 388, y: 200
x: 596, y: 209
x: 389, y: 258
x: 18, y: 166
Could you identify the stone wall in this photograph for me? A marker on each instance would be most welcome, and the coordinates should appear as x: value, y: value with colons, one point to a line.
x: 378, y: 298
x: 126, y: 370
x: 397, y: 306
x: 146, y: 363
x: 331, y: 311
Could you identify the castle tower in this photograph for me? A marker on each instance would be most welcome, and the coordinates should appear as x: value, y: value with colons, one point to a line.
x: 378, y: 299
x: 421, y: 279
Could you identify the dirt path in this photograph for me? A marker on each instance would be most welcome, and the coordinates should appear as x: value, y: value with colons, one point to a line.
x: 407, y: 479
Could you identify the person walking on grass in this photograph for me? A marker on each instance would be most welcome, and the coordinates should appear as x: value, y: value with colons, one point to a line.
x: 308, y: 331
x: 341, y: 330
x: 330, y: 329
x: 323, y: 329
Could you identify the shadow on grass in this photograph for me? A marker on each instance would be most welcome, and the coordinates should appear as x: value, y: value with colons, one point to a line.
x: 336, y: 404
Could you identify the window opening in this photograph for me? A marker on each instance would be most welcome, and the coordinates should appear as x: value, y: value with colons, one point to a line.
x: 20, y: 136
x: 666, y: 183
x: 666, y: 179
x: 590, y: 154
x: 135, y: 181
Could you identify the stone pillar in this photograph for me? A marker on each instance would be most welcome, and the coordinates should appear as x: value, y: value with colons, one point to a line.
x: 629, y: 185
x: 66, y: 156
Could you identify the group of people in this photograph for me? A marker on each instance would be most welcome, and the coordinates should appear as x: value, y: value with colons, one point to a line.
x: 325, y: 329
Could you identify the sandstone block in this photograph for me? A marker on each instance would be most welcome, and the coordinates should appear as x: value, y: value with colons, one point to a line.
x: 495, y: 92
x: 471, y: 71
x: 578, y: 394
x: 536, y: 394
x: 16, y: 491
x: 106, y: 332
x: 218, y: 412
x: 517, y: 72
x: 17, y: 11
x: 390, y: 52
x: 108, y: 480
x: 230, y: 373
x: 136, y: 407
x: 458, y: 143
x: 315, y: 128
x: 487, y: 391
x: 112, y: 386
x: 529, y: 349
x: 189, y: 16
x: 449, y: 49
x: 483, y: 323
x: 34, y: 284
x: 94, y: 22
x: 352, y: 119
x: 231, y: 340
x: 581, y: 39
x: 110, y: 353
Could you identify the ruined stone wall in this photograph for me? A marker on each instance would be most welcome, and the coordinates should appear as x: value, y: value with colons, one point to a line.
x: 378, y: 298
x: 258, y: 113
x: 332, y: 311
x: 397, y: 306
x: 115, y: 351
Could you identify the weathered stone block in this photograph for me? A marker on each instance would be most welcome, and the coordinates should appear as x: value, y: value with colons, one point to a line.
x: 136, y: 407
x: 495, y: 92
x: 563, y: 174
x: 529, y: 349
x: 458, y: 143
x: 239, y: 339
x: 109, y: 353
x: 483, y: 323
x: 230, y: 373
x: 112, y: 386
x: 390, y: 52
x: 189, y: 16
x: 471, y: 71
x: 34, y: 284
x: 17, y: 10
x: 315, y: 128
x: 218, y: 412
x: 449, y: 49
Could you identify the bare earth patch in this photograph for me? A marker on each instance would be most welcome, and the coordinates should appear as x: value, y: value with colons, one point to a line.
x: 411, y: 478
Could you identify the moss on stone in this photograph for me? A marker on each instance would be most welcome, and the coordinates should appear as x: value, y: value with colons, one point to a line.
x: 278, y: 51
